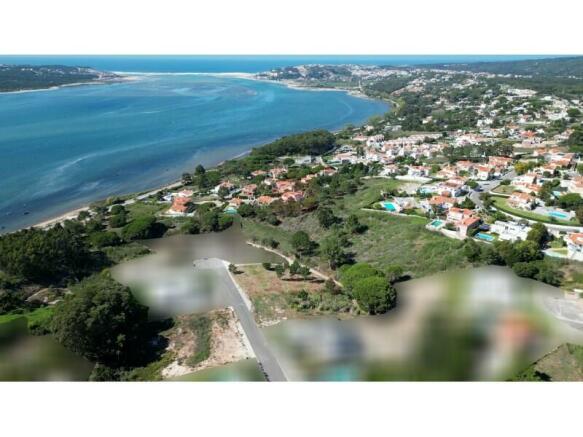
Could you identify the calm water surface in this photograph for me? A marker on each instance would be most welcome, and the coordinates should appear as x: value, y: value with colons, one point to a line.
x: 63, y: 148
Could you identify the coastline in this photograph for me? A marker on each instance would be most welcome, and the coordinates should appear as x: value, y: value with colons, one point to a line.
x: 73, y: 84
x: 129, y: 76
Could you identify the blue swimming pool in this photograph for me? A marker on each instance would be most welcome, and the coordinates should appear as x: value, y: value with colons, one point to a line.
x: 436, y: 223
x: 389, y: 206
x: 559, y: 214
x: 485, y: 237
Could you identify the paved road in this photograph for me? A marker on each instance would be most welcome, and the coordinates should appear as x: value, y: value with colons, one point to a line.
x: 489, y: 186
x: 263, y: 353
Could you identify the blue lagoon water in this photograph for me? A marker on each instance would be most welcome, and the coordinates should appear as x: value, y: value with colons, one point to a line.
x: 60, y: 149
x: 63, y: 148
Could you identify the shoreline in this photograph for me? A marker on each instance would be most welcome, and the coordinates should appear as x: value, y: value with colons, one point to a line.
x: 131, y: 76
x: 70, y: 85
x: 138, y: 195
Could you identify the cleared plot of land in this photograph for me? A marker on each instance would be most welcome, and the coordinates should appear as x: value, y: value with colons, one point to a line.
x: 502, y: 205
x: 270, y: 295
x: 197, y: 342
x: 144, y: 208
x: 565, y: 363
x: 204, y: 341
x: 389, y: 239
x: 405, y: 241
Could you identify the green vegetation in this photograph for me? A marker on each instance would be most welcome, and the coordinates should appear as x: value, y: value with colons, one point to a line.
x: 502, y: 205
x: 30, y: 77
x: 102, y: 321
x: 565, y: 363
x: 524, y: 257
x: 371, y: 289
x: 555, y: 67
x: 39, y: 317
x: 142, y: 228
x: 125, y: 252
x: 45, y: 256
x: 201, y: 326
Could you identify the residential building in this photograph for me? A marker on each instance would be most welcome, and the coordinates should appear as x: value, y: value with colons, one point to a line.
x: 521, y: 200
x: 575, y: 246
x: 510, y: 231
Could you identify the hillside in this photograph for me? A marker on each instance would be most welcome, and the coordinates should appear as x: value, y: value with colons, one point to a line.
x: 29, y: 77
x: 558, y: 67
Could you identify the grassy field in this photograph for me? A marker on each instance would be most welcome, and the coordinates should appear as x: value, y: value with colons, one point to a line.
x: 36, y: 317
x: 405, y: 241
x: 368, y: 193
x: 502, y: 205
x: 142, y: 208
x: 565, y: 363
x: 270, y: 294
x: 504, y: 189
x: 126, y: 252
x: 389, y: 239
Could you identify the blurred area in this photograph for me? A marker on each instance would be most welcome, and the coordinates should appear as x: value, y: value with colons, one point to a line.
x: 24, y: 357
x: 480, y: 324
x: 171, y: 283
x: 246, y: 370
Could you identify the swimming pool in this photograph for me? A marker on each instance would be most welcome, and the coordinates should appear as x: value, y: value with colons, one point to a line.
x: 559, y: 214
x: 484, y: 237
x: 436, y: 223
x: 389, y: 206
x: 230, y: 210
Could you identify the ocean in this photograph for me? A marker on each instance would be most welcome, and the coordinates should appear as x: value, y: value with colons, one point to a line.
x: 61, y: 149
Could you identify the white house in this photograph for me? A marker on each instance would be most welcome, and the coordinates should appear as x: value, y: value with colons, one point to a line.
x: 575, y: 246
x: 510, y: 231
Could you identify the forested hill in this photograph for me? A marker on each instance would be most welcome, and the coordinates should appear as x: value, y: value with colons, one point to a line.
x: 557, y: 67
x: 32, y: 77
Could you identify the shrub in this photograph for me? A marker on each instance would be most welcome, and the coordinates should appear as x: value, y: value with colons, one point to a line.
x: 143, y: 228
x: 102, y: 239
x: 375, y: 295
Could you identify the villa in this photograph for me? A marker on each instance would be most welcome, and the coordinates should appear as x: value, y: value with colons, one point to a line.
x: 257, y: 173
x: 226, y: 184
x: 266, y: 200
x: 390, y: 169
x: 575, y: 246
x: 525, y: 179
x: 510, y: 231
x: 185, y: 193
x: 235, y: 202
x: 180, y: 206
x: 521, y: 200
x: 292, y: 196
x: 483, y: 172
x: 499, y: 161
x: 463, y: 220
x: 249, y: 190
x: 465, y: 166
x: 277, y: 172
x: 307, y: 178
x: 283, y: 186
x: 575, y: 185
x: 328, y: 171
x: 441, y: 202
x: 446, y: 173
x: 418, y: 171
